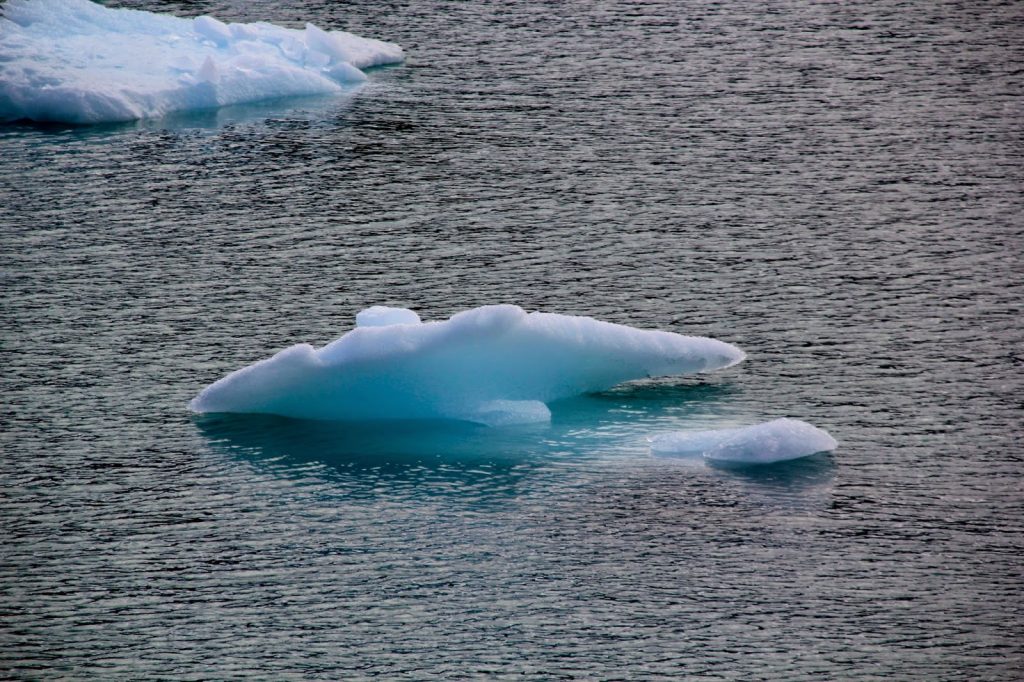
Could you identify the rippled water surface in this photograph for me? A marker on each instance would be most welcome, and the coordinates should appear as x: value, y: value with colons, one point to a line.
x: 837, y: 190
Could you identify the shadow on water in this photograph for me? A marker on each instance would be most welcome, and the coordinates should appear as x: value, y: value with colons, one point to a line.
x: 421, y: 459
x: 326, y: 108
x: 783, y: 479
x: 368, y: 445
x: 320, y: 107
x: 620, y: 417
x: 452, y: 457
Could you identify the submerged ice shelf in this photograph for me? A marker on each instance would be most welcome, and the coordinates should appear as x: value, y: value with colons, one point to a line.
x: 75, y: 61
x: 492, y: 365
x: 775, y: 441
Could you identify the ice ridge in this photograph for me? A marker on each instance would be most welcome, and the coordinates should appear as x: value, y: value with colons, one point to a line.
x: 494, y: 365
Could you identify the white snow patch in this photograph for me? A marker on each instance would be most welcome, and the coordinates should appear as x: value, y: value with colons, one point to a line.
x: 383, y: 316
x: 75, y: 61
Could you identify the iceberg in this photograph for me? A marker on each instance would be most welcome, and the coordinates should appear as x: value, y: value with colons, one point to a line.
x: 75, y: 61
x: 492, y: 365
x: 774, y: 441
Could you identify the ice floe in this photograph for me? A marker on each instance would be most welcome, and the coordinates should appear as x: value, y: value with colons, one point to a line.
x: 76, y: 61
x: 774, y: 441
x: 493, y: 365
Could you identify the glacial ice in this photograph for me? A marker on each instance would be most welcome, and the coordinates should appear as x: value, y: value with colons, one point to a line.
x: 492, y: 365
x: 75, y: 61
x: 765, y: 443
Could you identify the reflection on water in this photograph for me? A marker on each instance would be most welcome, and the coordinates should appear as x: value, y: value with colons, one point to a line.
x: 310, y: 108
x: 579, y: 427
x: 313, y: 108
x: 361, y: 444
x: 316, y: 108
x: 804, y: 483
x: 452, y: 457
x: 366, y: 460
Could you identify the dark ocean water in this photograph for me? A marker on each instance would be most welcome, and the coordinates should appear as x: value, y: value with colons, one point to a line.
x: 835, y: 189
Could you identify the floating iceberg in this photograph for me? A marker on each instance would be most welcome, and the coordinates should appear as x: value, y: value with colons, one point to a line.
x: 492, y: 365
x: 78, y: 62
x: 773, y: 441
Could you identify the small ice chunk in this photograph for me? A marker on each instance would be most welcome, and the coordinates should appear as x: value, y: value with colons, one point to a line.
x: 494, y: 364
x: 383, y: 316
x: 774, y: 441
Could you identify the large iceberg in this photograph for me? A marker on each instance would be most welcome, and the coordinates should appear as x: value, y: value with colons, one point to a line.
x: 491, y: 365
x: 765, y: 443
x: 76, y: 61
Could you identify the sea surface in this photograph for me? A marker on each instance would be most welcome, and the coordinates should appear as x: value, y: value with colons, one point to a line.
x: 836, y: 189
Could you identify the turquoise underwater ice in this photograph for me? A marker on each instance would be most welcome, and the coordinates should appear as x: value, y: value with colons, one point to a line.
x: 495, y: 366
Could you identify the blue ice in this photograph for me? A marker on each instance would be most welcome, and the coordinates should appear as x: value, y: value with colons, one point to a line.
x: 494, y: 365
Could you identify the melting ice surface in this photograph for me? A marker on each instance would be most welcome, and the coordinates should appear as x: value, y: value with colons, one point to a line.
x: 773, y: 441
x: 493, y: 365
x: 75, y: 61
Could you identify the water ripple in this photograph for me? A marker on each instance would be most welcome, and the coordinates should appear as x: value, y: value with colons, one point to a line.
x: 835, y: 189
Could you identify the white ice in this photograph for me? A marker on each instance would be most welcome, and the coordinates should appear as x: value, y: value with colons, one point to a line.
x: 774, y: 441
x: 78, y: 62
x: 383, y: 316
x: 493, y: 365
